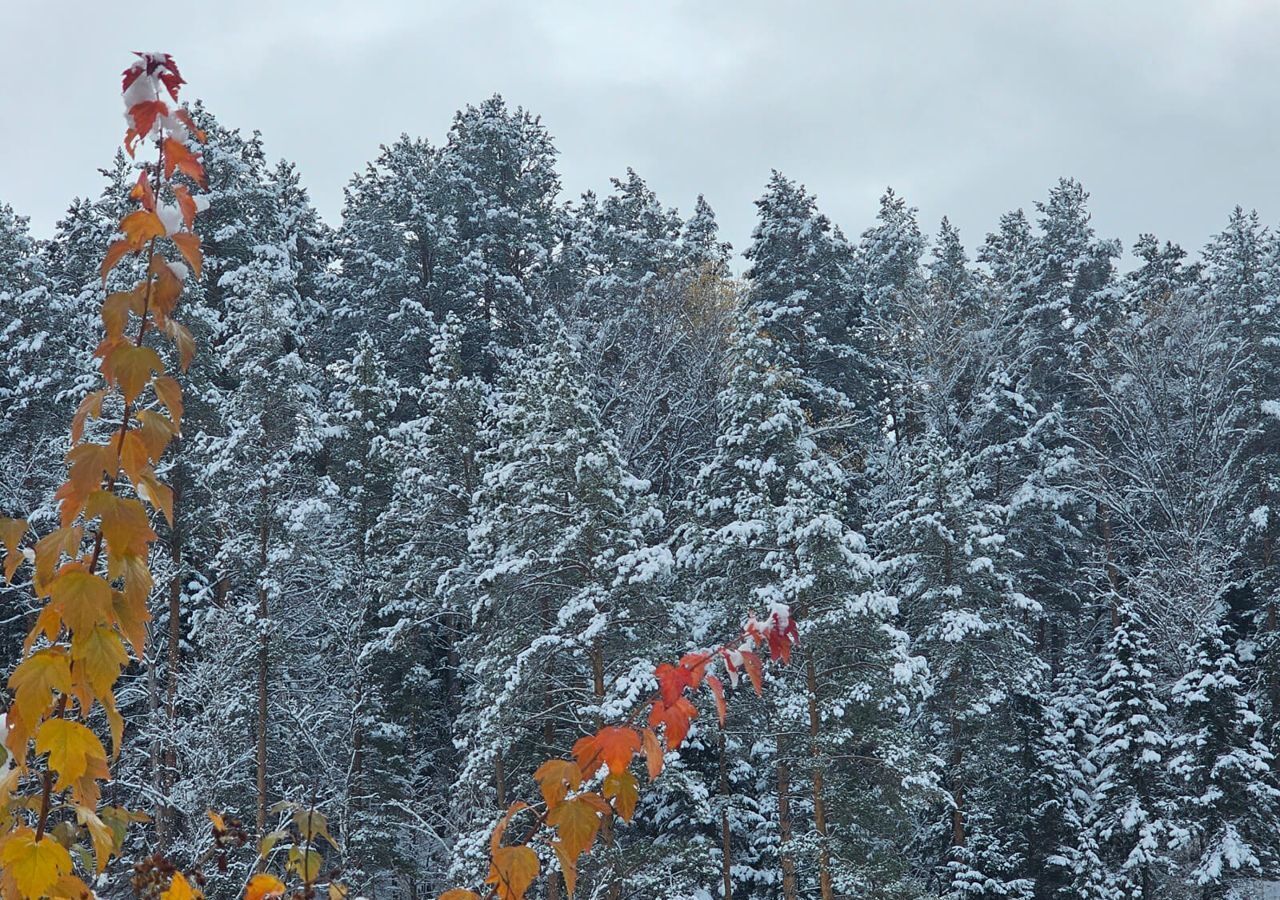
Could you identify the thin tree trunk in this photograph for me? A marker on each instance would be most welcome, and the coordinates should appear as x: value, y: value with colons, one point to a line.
x: 957, y: 795
x: 726, y: 839
x: 167, y: 825
x: 825, y: 886
x: 264, y: 650
x: 789, y: 890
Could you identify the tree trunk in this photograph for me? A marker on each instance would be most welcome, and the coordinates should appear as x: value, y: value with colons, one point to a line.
x: 789, y: 889
x: 957, y: 795
x: 825, y: 886
x: 264, y: 651
x: 726, y: 838
x: 167, y: 825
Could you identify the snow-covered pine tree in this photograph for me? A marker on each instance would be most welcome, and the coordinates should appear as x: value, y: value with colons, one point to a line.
x: 968, y: 618
x: 1226, y: 799
x: 554, y: 588
x: 421, y: 535
x: 1129, y: 820
x: 390, y: 248
x: 805, y: 813
x: 498, y: 183
x: 801, y: 288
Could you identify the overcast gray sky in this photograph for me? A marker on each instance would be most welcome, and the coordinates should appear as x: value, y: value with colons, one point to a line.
x: 1166, y: 110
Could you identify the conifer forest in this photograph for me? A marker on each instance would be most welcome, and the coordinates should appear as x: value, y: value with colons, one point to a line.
x: 446, y: 479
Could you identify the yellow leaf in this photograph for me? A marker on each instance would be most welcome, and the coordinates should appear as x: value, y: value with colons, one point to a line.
x: 71, y: 887
x: 104, y: 841
x: 74, y: 751
x: 459, y: 894
x: 269, y: 842
x: 338, y: 891
x: 131, y: 616
x: 33, y: 683
x: 81, y: 599
x: 620, y: 787
x: 50, y: 550
x: 304, y: 863
x: 132, y: 567
x: 98, y: 655
x: 312, y: 824
x: 11, y: 532
x: 130, y: 367
x: 88, y: 464
x: 115, y: 721
x: 35, y: 866
x: 124, y: 524
x: 262, y: 886
x: 156, y: 432
x: 141, y: 226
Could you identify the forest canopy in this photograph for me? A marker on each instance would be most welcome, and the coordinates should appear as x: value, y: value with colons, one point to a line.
x: 446, y: 480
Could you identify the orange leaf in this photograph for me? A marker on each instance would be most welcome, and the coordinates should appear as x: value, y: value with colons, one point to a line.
x: 185, y: 118
x: 577, y: 822
x: 144, y: 115
x: 263, y: 886
x: 163, y: 290
x: 652, y: 753
x: 143, y: 192
x: 177, y: 156
x: 755, y: 671
x: 115, y: 312
x: 459, y: 894
x: 157, y: 493
x: 672, y: 680
x: 91, y: 405
x: 141, y: 226
x: 180, y: 889
x: 717, y: 688
x: 512, y: 870
x: 556, y: 777
x: 186, y: 203
x: 130, y: 367
x: 181, y: 338
x: 170, y: 394
x: 675, y: 717
x: 612, y: 745
x: 115, y: 253
x: 189, y: 245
